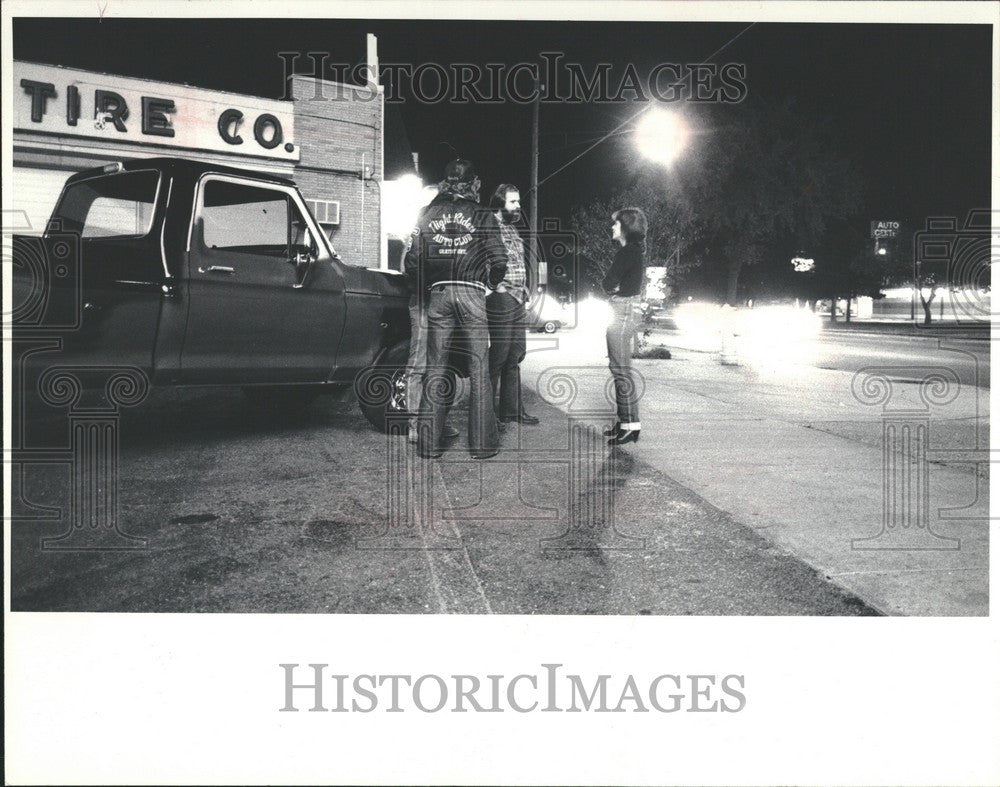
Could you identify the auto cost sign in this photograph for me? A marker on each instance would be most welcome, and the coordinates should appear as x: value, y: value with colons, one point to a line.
x: 69, y: 102
x: 885, y: 229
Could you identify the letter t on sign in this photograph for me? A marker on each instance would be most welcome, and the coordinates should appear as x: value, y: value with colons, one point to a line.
x: 40, y: 93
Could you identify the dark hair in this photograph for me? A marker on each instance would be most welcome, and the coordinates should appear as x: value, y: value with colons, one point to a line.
x: 499, y: 198
x: 459, y: 170
x: 634, y: 224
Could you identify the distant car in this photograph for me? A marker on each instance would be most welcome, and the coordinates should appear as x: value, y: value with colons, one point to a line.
x: 540, y: 325
x: 823, y: 307
x: 546, y: 315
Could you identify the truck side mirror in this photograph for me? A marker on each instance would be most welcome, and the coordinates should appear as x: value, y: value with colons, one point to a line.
x: 305, y: 260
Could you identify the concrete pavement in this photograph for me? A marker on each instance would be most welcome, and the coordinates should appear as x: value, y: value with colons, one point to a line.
x: 244, y: 513
x: 752, y: 492
x: 800, y: 456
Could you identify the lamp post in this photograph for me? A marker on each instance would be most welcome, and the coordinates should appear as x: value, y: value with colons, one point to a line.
x: 661, y: 136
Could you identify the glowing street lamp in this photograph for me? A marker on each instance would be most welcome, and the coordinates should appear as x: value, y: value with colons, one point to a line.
x: 402, y: 200
x: 661, y: 135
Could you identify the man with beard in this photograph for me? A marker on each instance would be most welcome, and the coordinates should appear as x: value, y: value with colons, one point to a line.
x: 506, y: 310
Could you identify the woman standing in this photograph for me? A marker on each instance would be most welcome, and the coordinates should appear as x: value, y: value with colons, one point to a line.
x: 623, y: 283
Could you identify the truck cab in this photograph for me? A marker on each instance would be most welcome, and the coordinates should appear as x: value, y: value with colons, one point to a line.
x: 198, y: 274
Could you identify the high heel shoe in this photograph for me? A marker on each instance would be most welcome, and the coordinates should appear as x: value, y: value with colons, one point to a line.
x: 625, y: 436
x: 614, y: 430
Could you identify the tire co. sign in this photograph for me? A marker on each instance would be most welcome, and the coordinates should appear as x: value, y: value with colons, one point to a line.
x: 76, y: 103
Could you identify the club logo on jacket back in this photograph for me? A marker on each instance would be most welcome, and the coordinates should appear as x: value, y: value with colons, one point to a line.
x: 452, y: 232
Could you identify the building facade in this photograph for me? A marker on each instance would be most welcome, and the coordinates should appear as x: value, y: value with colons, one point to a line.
x: 328, y: 137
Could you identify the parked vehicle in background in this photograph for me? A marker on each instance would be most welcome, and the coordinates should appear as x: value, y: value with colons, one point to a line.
x: 545, y: 326
x: 546, y: 315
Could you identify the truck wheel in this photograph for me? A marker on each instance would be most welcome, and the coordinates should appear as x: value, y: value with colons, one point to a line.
x: 550, y: 326
x: 381, y: 389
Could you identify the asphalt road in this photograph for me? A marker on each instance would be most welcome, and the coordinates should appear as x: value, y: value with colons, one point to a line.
x: 850, y: 351
x: 969, y: 359
x: 244, y: 512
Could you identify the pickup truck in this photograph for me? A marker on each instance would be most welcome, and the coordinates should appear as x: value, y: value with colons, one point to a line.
x: 199, y: 274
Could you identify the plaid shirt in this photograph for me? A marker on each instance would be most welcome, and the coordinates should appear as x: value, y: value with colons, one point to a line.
x: 516, y: 279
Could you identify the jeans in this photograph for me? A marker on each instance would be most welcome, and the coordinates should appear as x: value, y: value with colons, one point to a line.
x: 416, y: 366
x: 457, y: 308
x: 620, y: 332
x: 507, y: 349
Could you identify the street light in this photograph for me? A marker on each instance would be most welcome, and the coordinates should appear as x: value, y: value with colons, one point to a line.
x: 661, y: 135
x: 401, y: 202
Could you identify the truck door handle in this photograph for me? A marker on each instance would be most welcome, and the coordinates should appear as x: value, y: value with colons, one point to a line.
x: 217, y: 269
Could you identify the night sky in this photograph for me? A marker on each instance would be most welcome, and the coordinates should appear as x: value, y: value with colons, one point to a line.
x: 909, y: 103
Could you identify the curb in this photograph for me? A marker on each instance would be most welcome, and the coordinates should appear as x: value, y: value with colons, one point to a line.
x: 965, y: 334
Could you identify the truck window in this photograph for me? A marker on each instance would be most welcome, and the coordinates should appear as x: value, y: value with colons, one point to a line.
x: 245, y: 219
x: 109, y: 206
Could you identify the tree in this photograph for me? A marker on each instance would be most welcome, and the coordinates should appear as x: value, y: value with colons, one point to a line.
x: 772, y: 173
x: 927, y: 282
x: 673, y: 231
x: 756, y: 176
x: 848, y: 265
x: 925, y: 277
x: 591, y: 225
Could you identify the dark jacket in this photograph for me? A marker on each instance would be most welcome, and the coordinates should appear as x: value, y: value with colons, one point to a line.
x: 626, y: 272
x: 455, y: 239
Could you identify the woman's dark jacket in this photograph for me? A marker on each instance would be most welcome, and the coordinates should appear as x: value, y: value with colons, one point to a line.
x: 626, y: 272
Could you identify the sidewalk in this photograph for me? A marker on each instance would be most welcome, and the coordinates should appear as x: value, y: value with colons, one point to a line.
x: 794, y: 455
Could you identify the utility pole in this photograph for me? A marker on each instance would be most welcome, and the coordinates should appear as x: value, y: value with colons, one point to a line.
x: 533, y: 213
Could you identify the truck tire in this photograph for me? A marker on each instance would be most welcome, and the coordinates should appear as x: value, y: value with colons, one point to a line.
x: 550, y: 326
x: 381, y: 389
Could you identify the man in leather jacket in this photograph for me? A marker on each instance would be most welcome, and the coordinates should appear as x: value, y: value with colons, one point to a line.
x: 456, y: 257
